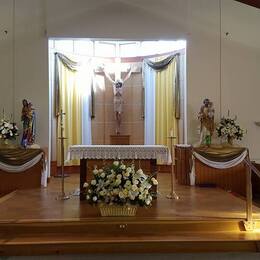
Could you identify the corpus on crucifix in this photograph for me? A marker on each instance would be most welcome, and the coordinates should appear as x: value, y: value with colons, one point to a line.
x: 118, y: 85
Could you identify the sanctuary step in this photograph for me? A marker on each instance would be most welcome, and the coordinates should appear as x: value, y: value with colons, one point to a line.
x: 202, y: 220
x: 124, y: 235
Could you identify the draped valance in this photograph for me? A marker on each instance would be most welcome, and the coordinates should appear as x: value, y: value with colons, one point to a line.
x: 219, y: 154
x: 68, y: 63
x: 74, y: 67
x: 162, y: 65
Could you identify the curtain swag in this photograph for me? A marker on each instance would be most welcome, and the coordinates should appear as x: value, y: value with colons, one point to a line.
x: 163, y: 64
x: 72, y: 66
x: 68, y: 63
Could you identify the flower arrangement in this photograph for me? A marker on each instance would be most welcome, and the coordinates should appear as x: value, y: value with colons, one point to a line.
x: 229, y: 129
x: 120, y: 184
x: 8, y: 130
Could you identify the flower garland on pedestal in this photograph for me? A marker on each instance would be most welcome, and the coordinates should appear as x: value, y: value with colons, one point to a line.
x: 120, y: 186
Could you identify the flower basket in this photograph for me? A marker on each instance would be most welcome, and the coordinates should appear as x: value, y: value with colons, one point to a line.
x: 8, y: 143
x: 117, y: 210
x: 118, y: 189
x: 230, y: 130
x: 8, y: 132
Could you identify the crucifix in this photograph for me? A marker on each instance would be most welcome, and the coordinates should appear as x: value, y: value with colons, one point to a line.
x: 118, y: 84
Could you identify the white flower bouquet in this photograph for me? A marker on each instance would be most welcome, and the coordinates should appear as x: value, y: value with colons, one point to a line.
x: 229, y: 129
x: 120, y: 184
x: 8, y: 130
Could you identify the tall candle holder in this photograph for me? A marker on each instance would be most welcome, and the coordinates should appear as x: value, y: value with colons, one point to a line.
x: 173, y: 194
x: 62, y: 195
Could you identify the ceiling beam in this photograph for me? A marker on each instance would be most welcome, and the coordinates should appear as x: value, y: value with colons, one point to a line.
x: 254, y: 3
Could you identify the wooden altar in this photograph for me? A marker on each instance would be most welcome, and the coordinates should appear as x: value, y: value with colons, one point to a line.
x: 117, y: 152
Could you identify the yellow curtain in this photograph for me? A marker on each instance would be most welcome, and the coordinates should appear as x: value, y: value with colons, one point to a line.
x: 70, y: 96
x: 165, y: 120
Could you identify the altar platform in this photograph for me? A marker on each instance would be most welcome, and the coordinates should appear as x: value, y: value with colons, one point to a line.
x: 203, y: 220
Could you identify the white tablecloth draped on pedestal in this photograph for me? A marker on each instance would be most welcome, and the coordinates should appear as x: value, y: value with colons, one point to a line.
x: 159, y: 152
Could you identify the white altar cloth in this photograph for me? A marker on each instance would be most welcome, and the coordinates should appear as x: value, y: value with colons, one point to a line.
x: 159, y: 152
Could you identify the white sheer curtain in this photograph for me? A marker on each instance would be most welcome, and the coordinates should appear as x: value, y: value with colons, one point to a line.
x: 149, y: 120
x: 85, y: 76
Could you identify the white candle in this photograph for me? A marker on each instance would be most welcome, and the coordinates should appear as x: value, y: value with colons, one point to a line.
x: 171, y: 133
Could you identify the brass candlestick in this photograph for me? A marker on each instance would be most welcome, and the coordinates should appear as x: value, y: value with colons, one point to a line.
x: 173, y: 194
x: 62, y: 196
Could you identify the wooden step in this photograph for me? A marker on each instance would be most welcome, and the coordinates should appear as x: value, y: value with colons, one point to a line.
x: 127, y: 225
x: 125, y: 235
x: 71, y: 243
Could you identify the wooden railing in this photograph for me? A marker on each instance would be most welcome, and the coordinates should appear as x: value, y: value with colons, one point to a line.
x: 249, y: 223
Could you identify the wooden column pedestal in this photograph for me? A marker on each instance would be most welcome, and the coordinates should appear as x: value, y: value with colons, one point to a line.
x: 183, y: 164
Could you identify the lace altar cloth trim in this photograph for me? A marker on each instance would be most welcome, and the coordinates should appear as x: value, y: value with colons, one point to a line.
x: 159, y: 152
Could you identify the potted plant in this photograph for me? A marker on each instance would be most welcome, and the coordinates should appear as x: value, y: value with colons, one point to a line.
x: 118, y: 189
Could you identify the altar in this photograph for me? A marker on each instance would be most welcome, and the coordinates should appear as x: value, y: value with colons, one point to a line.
x: 117, y: 152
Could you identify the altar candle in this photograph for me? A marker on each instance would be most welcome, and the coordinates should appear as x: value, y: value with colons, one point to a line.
x: 171, y: 133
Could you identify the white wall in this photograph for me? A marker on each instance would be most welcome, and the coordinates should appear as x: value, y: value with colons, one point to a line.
x: 6, y: 60
x: 24, y: 61
x: 197, y: 21
x: 241, y: 69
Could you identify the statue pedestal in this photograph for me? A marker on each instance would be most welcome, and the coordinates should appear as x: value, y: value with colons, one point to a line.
x: 120, y: 139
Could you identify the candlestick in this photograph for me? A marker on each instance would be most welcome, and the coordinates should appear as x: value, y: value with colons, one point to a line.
x: 173, y: 194
x: 62, y: 195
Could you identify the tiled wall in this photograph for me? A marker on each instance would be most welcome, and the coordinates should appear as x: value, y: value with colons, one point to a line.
x: 103, y: 125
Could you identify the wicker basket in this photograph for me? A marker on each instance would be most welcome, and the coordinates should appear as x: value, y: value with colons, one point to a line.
x: 117, y: 210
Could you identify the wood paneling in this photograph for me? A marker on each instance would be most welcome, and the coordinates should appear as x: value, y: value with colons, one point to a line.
x: 120, y: 139
x: 256, y: 183
x: 28, y: 179
x: 232, y: 179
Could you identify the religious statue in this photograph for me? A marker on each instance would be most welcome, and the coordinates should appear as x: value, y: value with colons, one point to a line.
x: 118, y: 97
x: 206, y: 117
x: 28, y: 119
